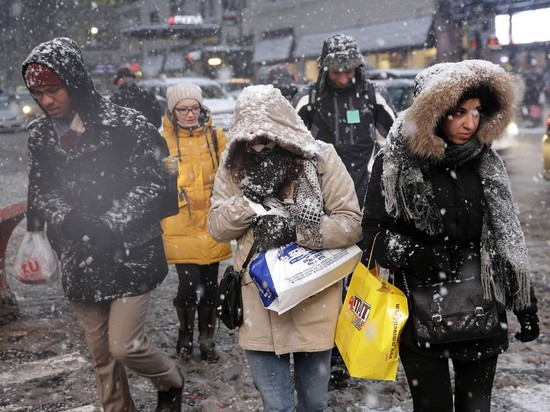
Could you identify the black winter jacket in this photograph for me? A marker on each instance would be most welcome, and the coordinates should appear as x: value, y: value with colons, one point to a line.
x: 132, y: 96
x: 414, y: 201
x: 458, y: 192
x: 113, y: 173
x: 328, y: 112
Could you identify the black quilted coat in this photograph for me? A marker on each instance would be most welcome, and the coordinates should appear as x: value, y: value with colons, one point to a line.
x: 113, y: 174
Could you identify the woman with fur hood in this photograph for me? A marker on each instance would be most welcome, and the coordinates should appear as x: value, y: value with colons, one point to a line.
x: 439, y: 206
x: 273, y: 159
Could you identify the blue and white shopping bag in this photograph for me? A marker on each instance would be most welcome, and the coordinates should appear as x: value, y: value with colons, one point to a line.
x: 285, y: 276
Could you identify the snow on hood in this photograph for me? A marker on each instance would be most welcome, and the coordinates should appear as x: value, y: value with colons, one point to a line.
x: 438, y: 90
x: 263, y: 111
x: 64, y: 57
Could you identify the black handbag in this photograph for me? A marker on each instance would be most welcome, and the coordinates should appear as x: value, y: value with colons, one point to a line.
x: 453, y: 311
x: 229, y: 302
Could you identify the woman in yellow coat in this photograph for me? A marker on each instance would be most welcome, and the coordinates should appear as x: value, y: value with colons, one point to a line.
x: 198, y: 146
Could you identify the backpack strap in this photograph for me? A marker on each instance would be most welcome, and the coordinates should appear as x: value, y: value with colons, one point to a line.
x: 215, y: 142
x: 371, y: 95
x: 312, y: 104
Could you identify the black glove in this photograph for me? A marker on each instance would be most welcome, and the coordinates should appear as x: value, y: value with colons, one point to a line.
x: 430, y: 264
x: 76, y: 225
x: 529, y: 323
x: 272, y: 231
x: 98, y: 244
x: 266, y: 171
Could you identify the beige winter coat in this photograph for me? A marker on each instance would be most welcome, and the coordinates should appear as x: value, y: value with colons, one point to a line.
x: 309, y: 326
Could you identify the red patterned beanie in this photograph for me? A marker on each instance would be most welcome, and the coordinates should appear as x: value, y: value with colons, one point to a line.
x: 38, y: 75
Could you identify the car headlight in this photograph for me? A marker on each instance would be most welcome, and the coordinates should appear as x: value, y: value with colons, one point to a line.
x: 512, y: 128
x: 27, y: 109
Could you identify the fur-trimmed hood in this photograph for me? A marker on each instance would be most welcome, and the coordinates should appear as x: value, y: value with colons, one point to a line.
x: 263, y: 111
x: 438, y: 90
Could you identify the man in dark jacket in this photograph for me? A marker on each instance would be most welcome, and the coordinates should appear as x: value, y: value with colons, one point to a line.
x: 129, y: 94
x: 346, y: 109
x: 96, y: 180
x: 281, y: 78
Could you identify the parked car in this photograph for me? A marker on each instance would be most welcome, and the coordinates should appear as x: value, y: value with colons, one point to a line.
x: 221, y: 103
x: 400, y: 73
x: 163, y: 102
x: 12, y: 118
x: 235, y: 85
x: 546, y: 151
x: 28, y: 105
x: 400, y: 91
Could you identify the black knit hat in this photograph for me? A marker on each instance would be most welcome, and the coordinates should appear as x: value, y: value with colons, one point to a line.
x: 123, y: 72
x: 340, y: 53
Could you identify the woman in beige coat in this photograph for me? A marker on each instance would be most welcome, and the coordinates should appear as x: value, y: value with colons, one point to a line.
x: 273, y: 159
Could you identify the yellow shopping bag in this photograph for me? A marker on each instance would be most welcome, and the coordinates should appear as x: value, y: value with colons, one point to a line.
x: 370, y: 323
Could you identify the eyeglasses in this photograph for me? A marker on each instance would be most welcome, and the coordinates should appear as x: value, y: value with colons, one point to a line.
x: 186, y: 110
x: 50, y: 92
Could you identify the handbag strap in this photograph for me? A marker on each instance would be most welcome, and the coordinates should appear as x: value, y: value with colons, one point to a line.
x: 251, y: 253
x: 376, y: 265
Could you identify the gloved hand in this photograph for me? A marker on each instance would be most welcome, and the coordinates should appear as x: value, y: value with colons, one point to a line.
x: 430, y: 264
x: 529, y: 323
x: 76, y: 225
x: 97, y: 245
x: 272, y: 231
x: 266, y: 171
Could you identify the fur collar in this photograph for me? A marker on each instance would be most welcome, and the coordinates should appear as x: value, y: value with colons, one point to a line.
x: 438, y: 90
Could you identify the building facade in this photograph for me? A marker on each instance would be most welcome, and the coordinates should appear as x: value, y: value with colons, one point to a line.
x: 247, y: 35
x: 240, y: 38
x: 391, y: 33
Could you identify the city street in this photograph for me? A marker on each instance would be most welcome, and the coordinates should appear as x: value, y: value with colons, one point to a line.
x: 45, y: 366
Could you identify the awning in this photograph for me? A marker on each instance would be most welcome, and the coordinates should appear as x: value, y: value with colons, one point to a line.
x: 273, y: 50
x: 181, y: 31
x: 408, y: 33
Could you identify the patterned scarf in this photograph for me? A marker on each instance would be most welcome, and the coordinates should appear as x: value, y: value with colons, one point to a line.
x: 504, y: 260
x: 308, y: 204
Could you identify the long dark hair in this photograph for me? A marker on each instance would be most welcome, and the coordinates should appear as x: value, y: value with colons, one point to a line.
x: 490, y: 105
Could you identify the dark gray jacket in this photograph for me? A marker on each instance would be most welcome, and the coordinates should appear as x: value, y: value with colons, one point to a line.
x: 113, y: 174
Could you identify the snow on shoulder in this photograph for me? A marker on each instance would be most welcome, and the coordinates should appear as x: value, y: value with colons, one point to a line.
x: 262, y: 110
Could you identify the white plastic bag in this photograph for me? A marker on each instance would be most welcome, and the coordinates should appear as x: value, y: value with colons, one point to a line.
x: 285, y: 276
x: 36, y: 262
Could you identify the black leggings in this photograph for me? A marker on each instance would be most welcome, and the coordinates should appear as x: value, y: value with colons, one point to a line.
x: 430, y: 383
x: 197, y: 284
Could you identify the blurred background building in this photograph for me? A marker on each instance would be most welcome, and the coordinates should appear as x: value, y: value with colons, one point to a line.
x: 238, y: 38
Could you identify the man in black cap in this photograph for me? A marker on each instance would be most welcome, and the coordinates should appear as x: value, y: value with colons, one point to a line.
x: 346, y: 109
x: 129, y: 94
x: 281, y: 78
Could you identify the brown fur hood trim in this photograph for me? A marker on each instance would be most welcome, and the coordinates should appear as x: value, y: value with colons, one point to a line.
x: 438, y: 90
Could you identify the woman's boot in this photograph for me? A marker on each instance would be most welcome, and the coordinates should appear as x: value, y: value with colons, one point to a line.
x: 207, y: 325
x: 184, y: 347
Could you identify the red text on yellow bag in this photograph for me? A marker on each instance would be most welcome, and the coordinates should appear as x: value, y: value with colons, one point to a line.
x: 370, y: 323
